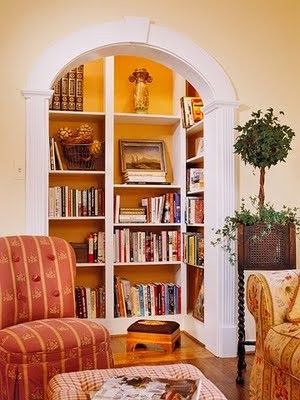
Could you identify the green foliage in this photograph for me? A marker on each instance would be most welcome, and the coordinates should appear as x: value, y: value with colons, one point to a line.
x: 263, y: 141
x: 227, y: 235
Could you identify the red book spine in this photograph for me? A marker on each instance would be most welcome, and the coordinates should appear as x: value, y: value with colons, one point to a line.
x: 163, y: 298
x: 90, y: 248
x: 178, y: 242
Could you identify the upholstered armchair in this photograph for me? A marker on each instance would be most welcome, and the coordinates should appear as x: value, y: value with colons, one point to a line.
x: 39, y: 334
x: 273, y: 298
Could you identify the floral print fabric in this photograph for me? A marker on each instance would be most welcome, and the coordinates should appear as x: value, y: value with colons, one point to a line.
x: 276, y: 370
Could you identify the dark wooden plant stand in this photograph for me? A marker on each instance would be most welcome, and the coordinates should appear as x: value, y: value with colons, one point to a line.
x: 260, y: 249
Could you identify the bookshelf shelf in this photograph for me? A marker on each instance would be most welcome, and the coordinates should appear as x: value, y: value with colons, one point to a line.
x: 140, y: 186
x: 75, y: 218
x: 196, y: 128
x: 76, y: 172
x: 76, y: 115
x: 195, y: 159
x: 145, y: 224
x: 158, y: 263
x: 195, y: 265
x: 195, y: 225
x: 146, y: 119
x: 89, y: 265
x: 195, y: 192
x: 168, y: 317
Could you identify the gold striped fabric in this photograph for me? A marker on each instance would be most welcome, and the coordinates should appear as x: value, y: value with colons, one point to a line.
x: 78, y: 385
x: 39, y: 336
x: 39, y: 276
x: 276, y: 370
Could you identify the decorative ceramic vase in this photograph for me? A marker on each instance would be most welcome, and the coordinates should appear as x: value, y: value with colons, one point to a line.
x: 141, y: 94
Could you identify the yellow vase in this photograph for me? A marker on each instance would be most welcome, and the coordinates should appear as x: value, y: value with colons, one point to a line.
x: 141, y: 94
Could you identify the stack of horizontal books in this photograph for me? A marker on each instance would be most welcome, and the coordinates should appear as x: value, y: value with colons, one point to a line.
x: 144, y: 177
x: 130, y: 215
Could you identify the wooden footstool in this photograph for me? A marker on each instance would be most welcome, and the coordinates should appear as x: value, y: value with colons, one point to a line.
x: 164, y: 333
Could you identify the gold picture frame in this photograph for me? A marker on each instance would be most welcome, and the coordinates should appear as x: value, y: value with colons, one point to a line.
x: 143, y: 156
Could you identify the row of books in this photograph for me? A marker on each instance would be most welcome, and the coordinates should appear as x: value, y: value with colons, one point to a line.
x: 143, y: 300
x: 194, y: 212
x: 67, y: 202
x: 194, y: 179
x: 146, y: 246
x: 160, y: 209
x: 193, y: 248
x: 55, y: 158
x: 191, y: 110
x: 96, y: 247
x: 90, y: 302
x: 68, y: 91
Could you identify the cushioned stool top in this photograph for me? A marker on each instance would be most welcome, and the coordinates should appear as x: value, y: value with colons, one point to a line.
x: 151, y: 326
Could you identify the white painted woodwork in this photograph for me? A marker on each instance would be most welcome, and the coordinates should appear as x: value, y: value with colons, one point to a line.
x: 37, y: 160
x: 154, y: 186
x: 75, y: 115
x: 147, y: 119
x: 78, y: 172
x: 142, y: 224
x: 139, y: 36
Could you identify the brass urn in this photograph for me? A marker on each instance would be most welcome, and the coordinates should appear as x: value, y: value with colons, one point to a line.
x: 141, y: 94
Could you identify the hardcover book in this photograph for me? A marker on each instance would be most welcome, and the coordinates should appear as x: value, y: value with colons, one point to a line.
x: 72, y: 90
x: 64, y: 92
x: 56, y: 96
x: 79, y: 89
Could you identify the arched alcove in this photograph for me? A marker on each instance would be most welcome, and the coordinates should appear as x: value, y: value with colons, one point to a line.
x: 137, y: 36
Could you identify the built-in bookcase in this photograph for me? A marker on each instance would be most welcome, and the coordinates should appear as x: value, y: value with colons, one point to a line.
x: 108, y: 108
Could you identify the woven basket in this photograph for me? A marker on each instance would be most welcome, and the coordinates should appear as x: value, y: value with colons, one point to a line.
x: 263, y: 249
x: 78, y: 156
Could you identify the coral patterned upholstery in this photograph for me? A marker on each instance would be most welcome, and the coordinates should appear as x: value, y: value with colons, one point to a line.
x: 39, y: 334
x: 276, y: 370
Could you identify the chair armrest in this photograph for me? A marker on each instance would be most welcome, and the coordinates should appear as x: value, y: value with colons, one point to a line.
x: 269, y: 295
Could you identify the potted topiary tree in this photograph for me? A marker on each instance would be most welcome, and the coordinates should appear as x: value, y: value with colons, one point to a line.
x: 262, y: 142
x: 265, y: 237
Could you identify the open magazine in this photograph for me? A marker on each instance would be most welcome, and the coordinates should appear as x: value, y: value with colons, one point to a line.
x: 145, y: 388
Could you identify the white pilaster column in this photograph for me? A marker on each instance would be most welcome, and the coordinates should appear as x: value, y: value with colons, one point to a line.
x: 37, y: 159
x: 220, y: 201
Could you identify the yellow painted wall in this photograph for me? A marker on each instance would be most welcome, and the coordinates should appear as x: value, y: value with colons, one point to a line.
x: 256, y: 42
x: 162, y: 83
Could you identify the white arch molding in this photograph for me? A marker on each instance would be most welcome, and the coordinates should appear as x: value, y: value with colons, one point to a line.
x: 138, y: 36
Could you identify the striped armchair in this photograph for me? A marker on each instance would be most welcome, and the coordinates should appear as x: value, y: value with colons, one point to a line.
x: 276, y: 370
x: 39, y: 334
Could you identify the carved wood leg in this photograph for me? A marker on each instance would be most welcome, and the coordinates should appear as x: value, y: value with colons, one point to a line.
x: 241, y: 364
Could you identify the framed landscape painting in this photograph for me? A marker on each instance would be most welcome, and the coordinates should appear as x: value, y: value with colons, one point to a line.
x: 143, y: 155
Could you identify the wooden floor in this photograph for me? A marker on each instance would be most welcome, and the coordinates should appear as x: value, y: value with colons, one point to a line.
x: 221, y: 371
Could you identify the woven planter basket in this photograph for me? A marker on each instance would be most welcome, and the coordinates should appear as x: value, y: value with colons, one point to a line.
x: 262, y: 249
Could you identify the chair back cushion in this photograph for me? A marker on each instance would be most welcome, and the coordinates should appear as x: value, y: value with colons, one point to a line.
x: 36, y: 279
